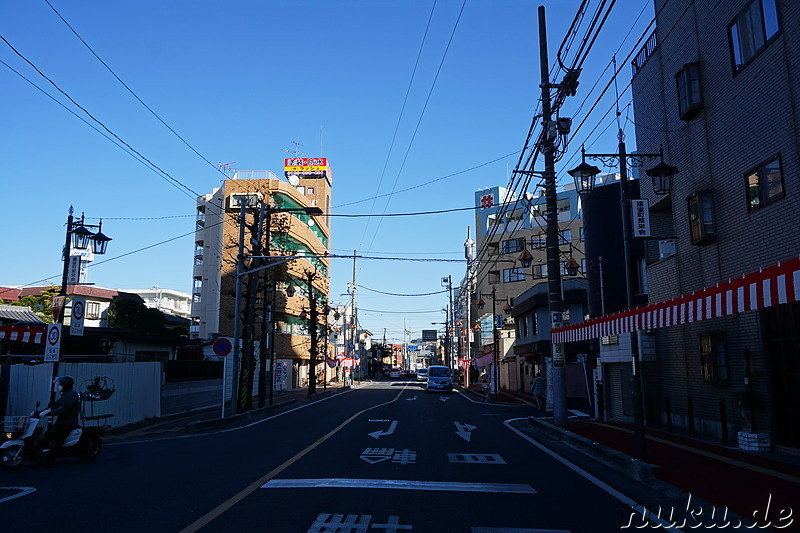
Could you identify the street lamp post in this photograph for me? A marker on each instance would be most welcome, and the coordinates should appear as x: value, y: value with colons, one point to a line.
x: 662, y: 175
x: 495, y: 332
x: 78, y: 236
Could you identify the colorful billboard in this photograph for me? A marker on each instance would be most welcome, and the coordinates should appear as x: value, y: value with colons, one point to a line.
x: 305, y: 166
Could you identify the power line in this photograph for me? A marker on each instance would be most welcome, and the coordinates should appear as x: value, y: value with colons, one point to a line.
x: 117, y: 137
x: 215, y: 167
x: 419, y: 121
x: 395, y: 294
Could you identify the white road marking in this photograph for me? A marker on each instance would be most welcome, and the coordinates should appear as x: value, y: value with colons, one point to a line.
x: 613, y: 492
x: 23, y: 491
x: 398, y: 484
x: 444, y: 399
x: 411, y: 399
x: 476, y: 458
x: 378, y: 434
x: 463, y: 430
x: 576, y: 413
x: 380, y: 420
x: 516, y: 530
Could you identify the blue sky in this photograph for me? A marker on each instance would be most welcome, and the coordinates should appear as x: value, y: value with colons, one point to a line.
x: 240, y: 80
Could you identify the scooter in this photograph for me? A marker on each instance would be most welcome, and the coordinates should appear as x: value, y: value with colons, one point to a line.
x: 24, y: 434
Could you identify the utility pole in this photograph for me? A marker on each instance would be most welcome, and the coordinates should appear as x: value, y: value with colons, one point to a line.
x: 558, y: 379
x: 237, y: 313
x: 248, y: 359
x: 312, y: 326
x: 267, y: 322
x: 356, y: 343
x: 469, y: 255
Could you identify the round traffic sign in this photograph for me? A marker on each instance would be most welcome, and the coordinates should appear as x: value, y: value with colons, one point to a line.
x: 222, y: 346
x: 53, y: 336
x: 77, y: 310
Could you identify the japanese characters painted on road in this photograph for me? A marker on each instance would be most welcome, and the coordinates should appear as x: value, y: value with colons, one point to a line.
x: 355, y: 523
x: 52, y: 346
x: 77, y: 316
x: 379, y: 455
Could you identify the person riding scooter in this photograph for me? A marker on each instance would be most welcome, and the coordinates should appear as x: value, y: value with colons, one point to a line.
x: 66, y: 409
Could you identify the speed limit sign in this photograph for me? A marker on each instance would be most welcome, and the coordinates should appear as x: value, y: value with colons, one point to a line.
x: 52, y: 347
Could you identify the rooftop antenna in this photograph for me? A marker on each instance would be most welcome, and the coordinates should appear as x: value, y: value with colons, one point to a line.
x: 295, y: 151
x: 226, y: 168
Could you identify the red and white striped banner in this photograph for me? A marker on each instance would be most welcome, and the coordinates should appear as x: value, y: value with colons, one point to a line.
x: 23, y: 334
x: 773, y: 285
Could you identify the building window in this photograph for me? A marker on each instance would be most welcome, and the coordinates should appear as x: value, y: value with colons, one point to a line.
x: 714, y: 359
x: 92, y: 310
x: 701, y: 218
x: 565, y: 236
x: 538, y: 242
x: 666, y: 248
x: 310, y: 191
x: 513, y: 245
x: 524, y: 322
x: 764, y: 184
x: 690, y: 93
x: 494, y: 277
x: 513, y: 274
x: 751, y: 31
x: 539, y: 271
x: 198, y: 253
x: 609, y: 340
x: 584, y: 266
x: 581, y: 235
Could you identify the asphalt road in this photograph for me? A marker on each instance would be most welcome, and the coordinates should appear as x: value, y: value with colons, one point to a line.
x: 387, y: 457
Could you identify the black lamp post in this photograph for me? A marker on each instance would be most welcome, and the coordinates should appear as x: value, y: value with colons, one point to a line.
x: 80, y: 237
x: 507, y: 310
x: 662, y: 175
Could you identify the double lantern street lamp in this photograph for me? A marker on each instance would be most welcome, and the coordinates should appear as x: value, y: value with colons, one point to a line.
x: 495, y: 330
x: 79, y: 237
x: 662, y: 175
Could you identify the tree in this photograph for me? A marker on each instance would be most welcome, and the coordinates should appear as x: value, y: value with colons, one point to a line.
x: 132, y: 314
x: 40, y: 304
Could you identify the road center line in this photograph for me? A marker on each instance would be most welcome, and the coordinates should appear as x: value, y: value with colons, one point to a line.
x: 214, y: 513
x: 399, y: 484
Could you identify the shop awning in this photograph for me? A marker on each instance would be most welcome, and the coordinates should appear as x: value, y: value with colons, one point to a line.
x: 33, y: 334
x: 772, y: 285
x: 485, y: 360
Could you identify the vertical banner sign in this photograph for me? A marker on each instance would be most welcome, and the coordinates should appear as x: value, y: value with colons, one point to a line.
x: 52, y: 346
x: 556, y: 321
x: 640, y: 210
x: 76, y: 319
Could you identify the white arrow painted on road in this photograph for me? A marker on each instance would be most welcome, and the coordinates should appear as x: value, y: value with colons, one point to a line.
x: 444, y: 398
x: 411, y: 399
x: 378, y: 434
x: 463, y: 430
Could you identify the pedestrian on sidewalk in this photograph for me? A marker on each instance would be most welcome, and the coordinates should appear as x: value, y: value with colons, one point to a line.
x: 537, y: 390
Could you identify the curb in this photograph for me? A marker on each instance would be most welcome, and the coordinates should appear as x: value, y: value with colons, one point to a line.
x: 620, y: 462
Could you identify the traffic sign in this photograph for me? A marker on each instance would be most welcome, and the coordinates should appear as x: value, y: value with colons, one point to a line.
x: 52, y: 348
x: 76, y: 319
x: 222, y: 346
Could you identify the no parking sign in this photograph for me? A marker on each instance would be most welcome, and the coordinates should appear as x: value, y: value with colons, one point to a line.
x: 222, y: 346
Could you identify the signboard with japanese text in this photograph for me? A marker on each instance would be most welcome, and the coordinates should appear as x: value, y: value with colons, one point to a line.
x: 640, y: 210
x: 429, y: 335
x: 305, y: 166
x: 52, y: 343
x: 77, y: 316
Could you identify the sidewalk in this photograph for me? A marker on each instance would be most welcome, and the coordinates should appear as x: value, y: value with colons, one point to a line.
x: 744, y: 482
x: 184, y: 422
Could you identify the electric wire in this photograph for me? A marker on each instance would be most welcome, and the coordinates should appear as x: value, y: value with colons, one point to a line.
x: 184, y: 141
x: 396, y: 294
x: 117, y: 137
x: 419, y: 121
x: 402, y: 110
